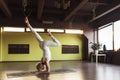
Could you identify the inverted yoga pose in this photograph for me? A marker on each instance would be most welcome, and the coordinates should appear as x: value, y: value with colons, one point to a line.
x: 44, y: 66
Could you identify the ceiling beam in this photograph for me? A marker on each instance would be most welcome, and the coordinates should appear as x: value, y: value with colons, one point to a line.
x: 81, y: 4
x: 83, y: 13
x: 5, y: 8
x: 106, y: 12
x: 97, y: 3
x: 40, y: 8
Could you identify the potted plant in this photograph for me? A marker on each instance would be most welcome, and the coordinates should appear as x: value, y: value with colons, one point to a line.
x: 95, y: 47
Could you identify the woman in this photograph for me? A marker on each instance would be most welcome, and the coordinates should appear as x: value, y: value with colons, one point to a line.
x: 44, y: 45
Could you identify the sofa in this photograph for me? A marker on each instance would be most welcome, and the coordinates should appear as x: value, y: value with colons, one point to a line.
x: 113, y: 57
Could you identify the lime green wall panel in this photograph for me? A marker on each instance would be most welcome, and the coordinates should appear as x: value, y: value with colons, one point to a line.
x: 35, y: 52
x: 0, y: 46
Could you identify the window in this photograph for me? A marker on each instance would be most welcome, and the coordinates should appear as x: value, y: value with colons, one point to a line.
x: 117, y: 35
x: 105, y: 37
x: 73, y: 31
x: 36, y: 29
x: 56, y: 30
x: 13, y: 29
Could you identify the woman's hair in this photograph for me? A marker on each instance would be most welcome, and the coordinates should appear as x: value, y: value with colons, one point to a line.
x: 40, y: 66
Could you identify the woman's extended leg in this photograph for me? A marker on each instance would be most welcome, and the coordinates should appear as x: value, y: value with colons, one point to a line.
x: 38, y: 37
x: 55, y: 42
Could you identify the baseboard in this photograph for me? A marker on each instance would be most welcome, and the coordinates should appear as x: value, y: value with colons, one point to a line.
x: 39, y: 60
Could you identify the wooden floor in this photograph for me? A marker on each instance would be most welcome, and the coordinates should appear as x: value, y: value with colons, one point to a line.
x: 64, y: 70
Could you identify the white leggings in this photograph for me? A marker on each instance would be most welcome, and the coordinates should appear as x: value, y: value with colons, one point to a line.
x: 44, y: 45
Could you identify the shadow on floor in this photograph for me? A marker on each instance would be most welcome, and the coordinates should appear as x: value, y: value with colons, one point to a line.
x: 40, y: 75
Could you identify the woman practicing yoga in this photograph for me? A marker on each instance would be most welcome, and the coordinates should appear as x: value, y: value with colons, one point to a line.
x: 44, y: 66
